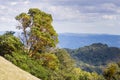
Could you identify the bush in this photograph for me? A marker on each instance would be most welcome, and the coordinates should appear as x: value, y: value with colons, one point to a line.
x: 28, y: 64
x: 9, y: 44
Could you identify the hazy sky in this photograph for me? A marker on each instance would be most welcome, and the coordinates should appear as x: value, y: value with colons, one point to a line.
x: 74, y: 16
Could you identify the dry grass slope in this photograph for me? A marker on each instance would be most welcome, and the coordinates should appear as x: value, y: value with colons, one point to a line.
x: 8, y: 71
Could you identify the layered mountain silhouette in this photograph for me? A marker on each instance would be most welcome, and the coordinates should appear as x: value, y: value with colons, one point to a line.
x: 72, y: 40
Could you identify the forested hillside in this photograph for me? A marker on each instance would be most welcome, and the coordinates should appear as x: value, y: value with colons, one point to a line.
x: 95, y: 56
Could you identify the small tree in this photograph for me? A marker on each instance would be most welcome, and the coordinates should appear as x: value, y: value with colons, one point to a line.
x: 38, y: 31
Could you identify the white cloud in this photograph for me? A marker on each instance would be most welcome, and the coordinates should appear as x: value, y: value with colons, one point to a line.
x: 2, y: 19
x: 6, y: 19
x: 64, y: 13
x: 113, y: 8
x: 13, y: 3
x: 109, y: 17
x: 26, y: 2
x: 109, y: 5
x: 2, y: 7
x: 20, y: 2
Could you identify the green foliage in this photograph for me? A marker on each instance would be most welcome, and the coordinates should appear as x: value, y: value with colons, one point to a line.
x: 41, y: 34
x: 9, y: 43
x: 48, y: 60
x: 28, y: 64
x: 49, y: 66
x: 65, y: 60
x: 112, y: 72
x: 95, y: 57
x: 68, y: 70
x: 97, y: 54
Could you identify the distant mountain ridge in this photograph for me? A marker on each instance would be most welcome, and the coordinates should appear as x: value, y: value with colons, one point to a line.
x: 73, y: 40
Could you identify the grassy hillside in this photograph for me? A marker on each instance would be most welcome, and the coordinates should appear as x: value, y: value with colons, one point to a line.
x: 9, y: 71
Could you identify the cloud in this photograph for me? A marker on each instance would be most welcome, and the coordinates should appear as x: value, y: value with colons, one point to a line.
x: 13, y: 3
x: 73, y: 11
x: 64, y: 13
x: 78, y: 10
x: 68, y: 8
x: 2, y: 7
x: 109, y: 17
x: 26, y: 2
x: 18, y: 2
x: 82, y: 10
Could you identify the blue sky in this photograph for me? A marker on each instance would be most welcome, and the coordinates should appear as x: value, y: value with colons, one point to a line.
x: 73, y: 16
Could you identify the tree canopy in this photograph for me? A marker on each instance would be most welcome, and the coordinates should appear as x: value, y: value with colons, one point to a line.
x: 112, y: 71
x: 38, y: 31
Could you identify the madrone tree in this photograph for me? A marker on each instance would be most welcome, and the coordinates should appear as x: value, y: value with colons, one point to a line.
x: 39, y: 34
